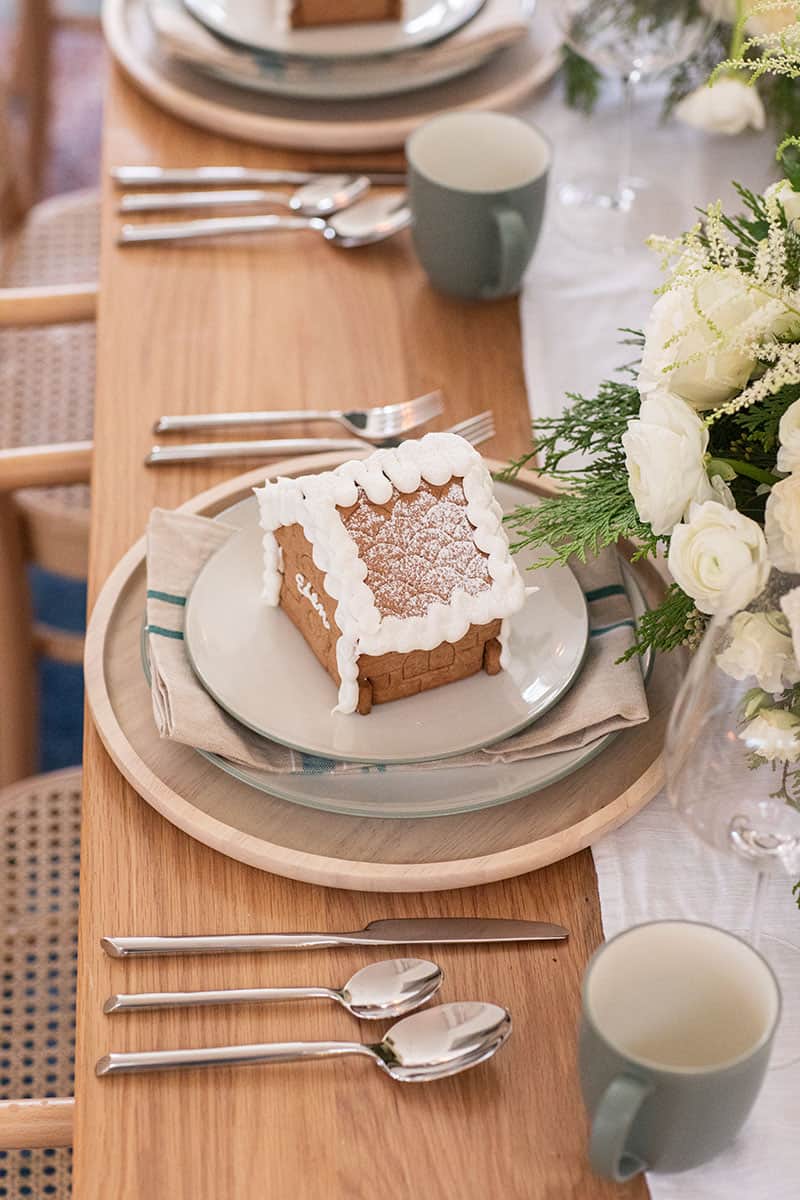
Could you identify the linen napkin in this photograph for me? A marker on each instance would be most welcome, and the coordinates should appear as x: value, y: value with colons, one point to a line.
x: 607, y: 697
x: 499, y: 23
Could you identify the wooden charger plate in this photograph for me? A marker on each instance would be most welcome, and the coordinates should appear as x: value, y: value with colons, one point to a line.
x: 352, y: 852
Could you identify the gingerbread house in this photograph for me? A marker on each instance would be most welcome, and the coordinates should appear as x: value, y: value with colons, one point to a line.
x: 337, y: 12
x: 395, y: 568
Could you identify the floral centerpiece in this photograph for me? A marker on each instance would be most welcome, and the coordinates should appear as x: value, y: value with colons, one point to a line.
x: 695, y: 452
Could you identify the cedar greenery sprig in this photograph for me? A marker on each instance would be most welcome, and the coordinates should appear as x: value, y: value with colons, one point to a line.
x: 598, y: 508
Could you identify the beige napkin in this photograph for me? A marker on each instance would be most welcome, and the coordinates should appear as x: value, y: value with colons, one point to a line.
x: 606, y: 697
x: 499, y: 23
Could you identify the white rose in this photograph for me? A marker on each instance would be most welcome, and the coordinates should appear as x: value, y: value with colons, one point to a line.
x: 789, y: 436
x: 708, y: 374
x: 773, y: 734
x: 789, y: 198
x: 727, y: 106
x: 782, y: 524
x: 719, y: 558
x: 664, y: 449
x: 759, y: 647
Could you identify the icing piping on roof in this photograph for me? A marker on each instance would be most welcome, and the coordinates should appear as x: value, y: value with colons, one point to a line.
x: 312, y: 502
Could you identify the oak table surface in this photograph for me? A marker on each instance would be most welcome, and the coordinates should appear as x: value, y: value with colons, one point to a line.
x: 291, y: 322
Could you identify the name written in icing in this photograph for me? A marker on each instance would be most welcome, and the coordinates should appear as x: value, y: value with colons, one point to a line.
x: 305, y: 589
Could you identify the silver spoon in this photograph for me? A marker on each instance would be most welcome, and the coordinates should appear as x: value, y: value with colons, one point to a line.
x: 427, y: 1045
x: 371, y: 220
x: 322, y: 196
x: 383, y: 989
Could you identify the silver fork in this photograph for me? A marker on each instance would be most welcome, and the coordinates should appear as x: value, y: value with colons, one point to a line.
x: 375, y: 425
x: 475, y: 430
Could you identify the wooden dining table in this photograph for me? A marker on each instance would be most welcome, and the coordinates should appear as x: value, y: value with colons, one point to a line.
x: 291, y: 322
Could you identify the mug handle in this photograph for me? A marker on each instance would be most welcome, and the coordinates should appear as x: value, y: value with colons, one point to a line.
x: 514, y: 241
x: 611, y: 1126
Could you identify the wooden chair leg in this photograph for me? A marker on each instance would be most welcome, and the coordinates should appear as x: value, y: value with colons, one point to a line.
x: 17, y: 679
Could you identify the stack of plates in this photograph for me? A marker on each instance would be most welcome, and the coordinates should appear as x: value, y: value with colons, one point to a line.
x: 198, y: 56
x: 251, y: 44
x: 257, y: 666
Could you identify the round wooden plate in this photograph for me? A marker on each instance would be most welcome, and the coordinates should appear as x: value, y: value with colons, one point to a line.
x: 379, y: 124
x: 351, y: 852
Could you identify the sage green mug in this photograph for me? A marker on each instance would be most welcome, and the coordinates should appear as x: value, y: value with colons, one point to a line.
x: 677, y: 1026
x: 477, y: 183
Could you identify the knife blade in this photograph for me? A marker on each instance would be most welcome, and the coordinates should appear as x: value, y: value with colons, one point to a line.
x: 413, y: 931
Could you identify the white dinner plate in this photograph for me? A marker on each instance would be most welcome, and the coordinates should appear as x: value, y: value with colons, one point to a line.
x: 258, y: 667
x: 311, y: 80
x: 264, y: 25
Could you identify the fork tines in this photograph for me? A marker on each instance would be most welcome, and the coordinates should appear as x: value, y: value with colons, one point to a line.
x: 477, y: 429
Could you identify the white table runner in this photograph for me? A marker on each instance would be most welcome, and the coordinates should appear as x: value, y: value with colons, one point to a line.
x: 573, y: 302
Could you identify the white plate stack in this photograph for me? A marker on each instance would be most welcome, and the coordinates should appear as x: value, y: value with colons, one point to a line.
x: 252, y: 44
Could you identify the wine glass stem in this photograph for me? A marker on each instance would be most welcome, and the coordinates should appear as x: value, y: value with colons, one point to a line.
x: 624, y: 189
x: 757, y: 910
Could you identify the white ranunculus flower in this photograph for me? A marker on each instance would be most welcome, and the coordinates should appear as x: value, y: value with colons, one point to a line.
x: 789, y: 437
x: 789, y: 198
x: 708, y: 374
x: 782, y: 524
x: 719, y: 558
x: 664, y: 449
x: 773, y: 734
x: 761, y: 648
x: 727, y: 106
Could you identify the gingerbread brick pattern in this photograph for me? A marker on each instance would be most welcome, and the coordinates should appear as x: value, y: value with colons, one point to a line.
x: 392, y: 676
x: 419, y: 548
x: 338, y: 12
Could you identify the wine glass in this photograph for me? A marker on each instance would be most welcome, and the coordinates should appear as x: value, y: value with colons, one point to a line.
x: 631, y: 40
x: 732, y: 757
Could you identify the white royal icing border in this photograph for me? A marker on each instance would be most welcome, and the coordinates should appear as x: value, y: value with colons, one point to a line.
x: 312, y: 502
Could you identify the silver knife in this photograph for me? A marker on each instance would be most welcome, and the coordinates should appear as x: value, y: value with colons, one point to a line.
x: 415, y: 931
x: 220, y: 176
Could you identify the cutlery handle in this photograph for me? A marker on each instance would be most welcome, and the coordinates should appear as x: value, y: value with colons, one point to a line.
x: 170, y: 176
x: 166, y: 201
x: 225, y: 1056
x: 147, y: 947
x: 149, y: 1001
x: 190, y: 422
x: 181, y: 231
x: 204, y: 451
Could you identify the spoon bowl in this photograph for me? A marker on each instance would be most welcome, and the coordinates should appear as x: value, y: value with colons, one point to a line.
x: 372, y: 220
x: 442, y: 1041
x: 391, y: 988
